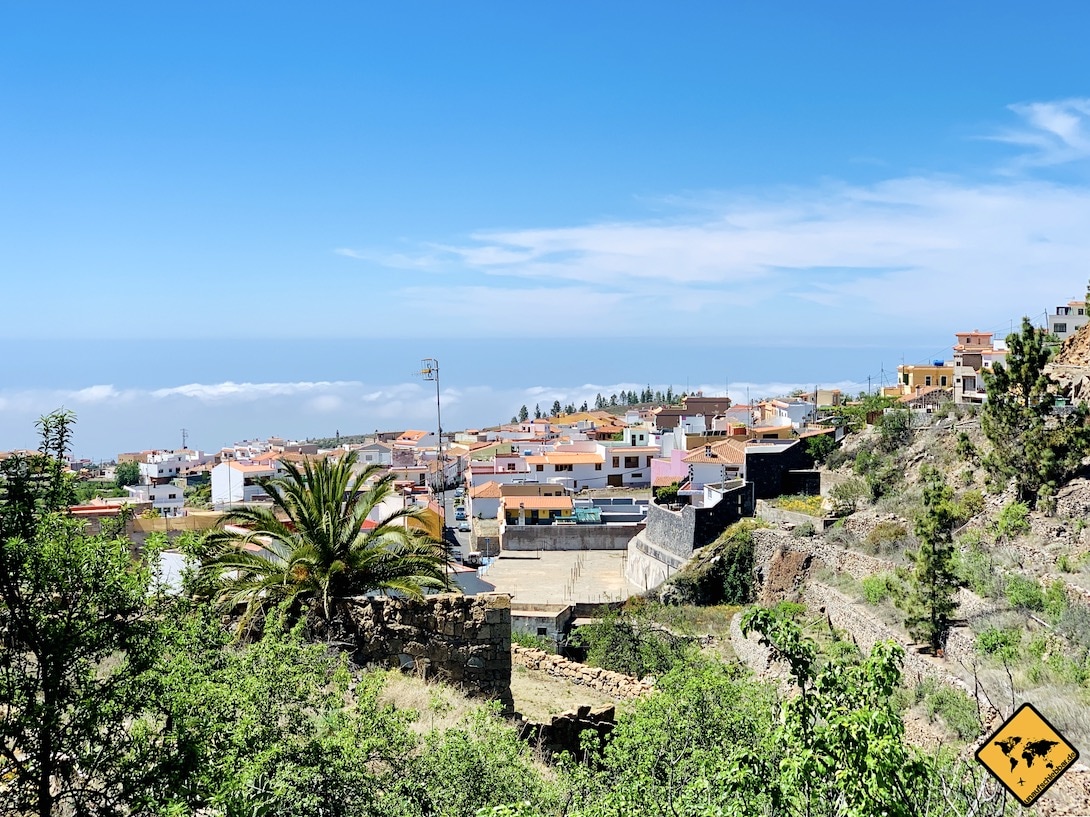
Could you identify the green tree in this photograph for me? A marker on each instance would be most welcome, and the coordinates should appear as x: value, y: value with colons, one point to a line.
x: 1030, y: 445
x: 932, y: 581
x: 322, y: 550
x: 126, y: 473
x: 524, y: 413
x: 820, y: 446
x: 75, y: 634
x: 630, y: 643
x: 556, y: 409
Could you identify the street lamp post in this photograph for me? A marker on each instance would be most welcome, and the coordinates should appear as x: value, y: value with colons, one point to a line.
x: 429, y: 370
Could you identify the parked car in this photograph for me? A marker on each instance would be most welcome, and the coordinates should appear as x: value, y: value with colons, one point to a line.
x: 459, y: 514
x: 464, y: 526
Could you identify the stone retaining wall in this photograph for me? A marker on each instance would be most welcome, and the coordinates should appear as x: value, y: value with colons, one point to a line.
x: 614, y: 684
x: 460, y: 640
x: 568, y: 537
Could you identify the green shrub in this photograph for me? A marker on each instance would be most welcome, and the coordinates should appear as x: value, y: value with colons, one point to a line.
x: 1055, y: 601
x: 803, y: 531
x: 667, y: 493
x: 879, y: 587
x: 957, y: 710
x: 1013, y: 520
x: 1024, y: 594
x: 969, y: 504
x: 1064, y: 565
x: 533, y: 641
x: 977, y: 570
x: 847, y: 495
x: 1003, y: 644
x: 885, y: 535
x: 965, y: 449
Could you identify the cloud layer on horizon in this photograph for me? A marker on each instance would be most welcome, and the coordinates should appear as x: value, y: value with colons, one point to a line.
x: 111, y: 420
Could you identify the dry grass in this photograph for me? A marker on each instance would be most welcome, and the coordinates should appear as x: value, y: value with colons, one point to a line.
x: 438, y: 706
x: 539, y: 696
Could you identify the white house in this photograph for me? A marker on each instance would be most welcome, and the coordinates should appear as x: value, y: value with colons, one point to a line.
x: 484, y: 500
x: 234, y: 482
x: 163, y: 466
x: 1067, y: 319
x: 714, y: 464
x: 166, y: 499
x: 376, y: 453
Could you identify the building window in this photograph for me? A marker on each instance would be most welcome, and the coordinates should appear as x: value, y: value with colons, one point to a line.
x: 616, y: 462
x: 631, y: 462
x: 540, y: 467
x: 942, y: 380
x: 1082, y: 311
x: 542, y: 631
x: 927, y: 380
x: 597, y: 466
x: 510, y: 466
x: 1060, y: 328
x: 637, y: 475
x: 648, y: 461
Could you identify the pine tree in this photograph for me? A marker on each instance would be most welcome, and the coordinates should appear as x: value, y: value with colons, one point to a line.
x: 613, y: 399
x: 556, y: 408
x: 537, y: 411
x: 670, y: 395
x: 584, y: 406
x: 1030, y: 445
x: 929, y: 601
x: 599, y: 402
x: 524, y: 414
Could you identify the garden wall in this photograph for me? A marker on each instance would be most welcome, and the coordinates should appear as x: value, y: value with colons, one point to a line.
x: 464, y: 641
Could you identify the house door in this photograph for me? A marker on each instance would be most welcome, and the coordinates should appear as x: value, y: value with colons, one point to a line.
x: 615, y: 480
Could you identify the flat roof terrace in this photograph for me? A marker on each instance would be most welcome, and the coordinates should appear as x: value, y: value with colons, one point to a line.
x: 560, y: 576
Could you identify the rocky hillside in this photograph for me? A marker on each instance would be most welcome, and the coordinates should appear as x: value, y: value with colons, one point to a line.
x: 1071, y: 365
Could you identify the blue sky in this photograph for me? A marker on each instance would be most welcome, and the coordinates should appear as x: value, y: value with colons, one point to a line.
x: 389, y: 178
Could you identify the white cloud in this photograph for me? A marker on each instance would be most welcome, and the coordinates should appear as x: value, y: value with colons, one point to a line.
x: 1054, y: 132
x: 229, y: 390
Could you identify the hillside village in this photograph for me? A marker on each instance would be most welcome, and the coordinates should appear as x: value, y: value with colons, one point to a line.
x: 813, y: 498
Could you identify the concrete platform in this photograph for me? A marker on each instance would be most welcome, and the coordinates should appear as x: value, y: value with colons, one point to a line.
x: 559, y: 577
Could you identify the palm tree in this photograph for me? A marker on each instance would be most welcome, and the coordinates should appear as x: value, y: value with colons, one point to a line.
x: 313, y: 545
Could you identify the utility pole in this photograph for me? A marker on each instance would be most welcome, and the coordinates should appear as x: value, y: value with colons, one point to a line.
x: 429, y: 370
x: 185, y: 437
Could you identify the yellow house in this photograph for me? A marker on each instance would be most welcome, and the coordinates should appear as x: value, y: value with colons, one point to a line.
x: 535, y: 510
x: 910, y: 377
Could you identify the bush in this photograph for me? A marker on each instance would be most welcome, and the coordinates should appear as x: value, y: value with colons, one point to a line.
x: 630, y: 644
x: 969, y: 504
x: 886, y: 535
x: 804, y: 530
x: 1003, y: 644
x: 977, y: 570
x: 1024, y: 594
x: 894, y: 430
x: 666, y: 494
x: 879, y: 587
x: 533, y: 641
x: 847, y: 495
x: 957, y: 710
x: 1013, y: 520
x: 1055, y: 601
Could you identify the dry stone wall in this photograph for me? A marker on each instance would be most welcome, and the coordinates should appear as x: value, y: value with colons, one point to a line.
x: 614, y: 684
x: 460, y: 640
